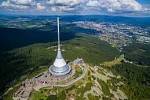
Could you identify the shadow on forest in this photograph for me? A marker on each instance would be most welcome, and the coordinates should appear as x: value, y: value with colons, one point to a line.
x: 11, y: 38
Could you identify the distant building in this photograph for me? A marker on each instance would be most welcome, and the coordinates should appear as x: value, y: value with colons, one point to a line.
x: 59, y: 67
x: 78, y: 61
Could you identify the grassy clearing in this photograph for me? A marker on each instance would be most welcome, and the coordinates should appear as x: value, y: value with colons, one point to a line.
x: 136, y: 80
x: 91, y: 97
x: 105, y: 87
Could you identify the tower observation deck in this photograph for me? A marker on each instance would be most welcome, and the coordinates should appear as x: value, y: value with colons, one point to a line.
x: 59, y: 67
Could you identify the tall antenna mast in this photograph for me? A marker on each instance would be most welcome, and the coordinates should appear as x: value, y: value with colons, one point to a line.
x: 58, y: 33
x: 59, y: 67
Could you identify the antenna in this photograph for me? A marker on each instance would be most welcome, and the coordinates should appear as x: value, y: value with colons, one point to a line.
x: 58, y: 33
x: 59, y: 66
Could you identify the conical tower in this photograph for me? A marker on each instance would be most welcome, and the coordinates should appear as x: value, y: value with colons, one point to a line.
x: 59, y: 67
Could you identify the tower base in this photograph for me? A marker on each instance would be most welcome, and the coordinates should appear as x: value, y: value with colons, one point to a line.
x: 56, y: 71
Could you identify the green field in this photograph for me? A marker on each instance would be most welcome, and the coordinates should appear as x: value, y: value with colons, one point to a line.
x: 137, y: 80
x: 138, y: 53
x: 27, y: 60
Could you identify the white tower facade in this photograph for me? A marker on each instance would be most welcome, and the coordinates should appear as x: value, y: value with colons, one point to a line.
x: 59, y: 67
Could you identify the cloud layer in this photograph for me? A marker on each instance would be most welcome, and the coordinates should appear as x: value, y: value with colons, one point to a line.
x: 73, y: 5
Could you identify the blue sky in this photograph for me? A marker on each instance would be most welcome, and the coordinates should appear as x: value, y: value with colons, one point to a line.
x: 53, y: 7
x: 144, y: 1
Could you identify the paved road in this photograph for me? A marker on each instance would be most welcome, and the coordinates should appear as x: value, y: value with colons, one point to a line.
x: 85, y: 70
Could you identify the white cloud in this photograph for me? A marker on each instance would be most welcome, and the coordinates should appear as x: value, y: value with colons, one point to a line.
x: 63, y: 5
x: 74, y: 5
x: 115, y: 5
x: 17, y: 4
x: 21, y: 2
x: 93, y: 3
x: 39, y: 6
x: 64, y: 2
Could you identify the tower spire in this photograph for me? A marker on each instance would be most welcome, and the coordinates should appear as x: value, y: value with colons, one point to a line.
x: 59, y: 67
x: 58, y: 33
